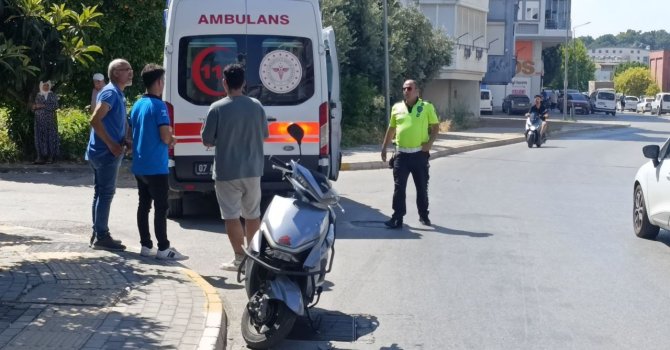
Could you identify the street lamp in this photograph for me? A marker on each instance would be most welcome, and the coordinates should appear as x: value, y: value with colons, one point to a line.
x: 574, y: 39
x: 387, y: 73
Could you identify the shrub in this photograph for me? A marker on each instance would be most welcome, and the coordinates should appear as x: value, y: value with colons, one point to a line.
x: 74, y: 129
x: 8, y: 150
x: 460, y: 118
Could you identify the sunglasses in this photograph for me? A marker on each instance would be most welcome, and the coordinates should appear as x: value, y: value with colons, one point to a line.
x: 408, y: 88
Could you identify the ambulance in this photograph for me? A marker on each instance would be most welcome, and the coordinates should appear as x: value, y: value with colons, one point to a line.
x: 291, y: 68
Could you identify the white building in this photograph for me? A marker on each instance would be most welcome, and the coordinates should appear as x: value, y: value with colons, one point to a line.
x: 608, y: 58
x: 464, y: 21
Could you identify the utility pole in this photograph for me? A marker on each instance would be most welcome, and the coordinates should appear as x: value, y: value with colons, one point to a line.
x: 387, y: 74
x: 565, y: 54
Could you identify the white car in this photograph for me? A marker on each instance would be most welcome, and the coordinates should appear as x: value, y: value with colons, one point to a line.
x: 485, y: 101
x: 651, y: 202
x: 644, y: 105
x: 661, y: 103
x: 630, y: 103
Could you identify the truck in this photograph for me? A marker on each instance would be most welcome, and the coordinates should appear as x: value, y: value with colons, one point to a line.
x: 599, y: 84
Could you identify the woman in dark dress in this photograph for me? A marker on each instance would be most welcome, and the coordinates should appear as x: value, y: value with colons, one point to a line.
x: 46, y: 126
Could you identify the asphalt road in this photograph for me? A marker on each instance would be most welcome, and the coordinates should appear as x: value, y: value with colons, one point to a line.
x: 531, y: 248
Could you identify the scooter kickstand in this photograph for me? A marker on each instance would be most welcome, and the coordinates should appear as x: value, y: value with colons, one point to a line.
x: 314, y: 325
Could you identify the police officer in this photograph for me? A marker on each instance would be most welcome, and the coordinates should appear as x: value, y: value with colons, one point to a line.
x: 415, y: 126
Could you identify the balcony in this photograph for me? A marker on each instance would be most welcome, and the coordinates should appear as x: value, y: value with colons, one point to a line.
x: 468, y: 63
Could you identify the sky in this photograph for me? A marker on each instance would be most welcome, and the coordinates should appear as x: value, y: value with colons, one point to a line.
x: 615, y: 16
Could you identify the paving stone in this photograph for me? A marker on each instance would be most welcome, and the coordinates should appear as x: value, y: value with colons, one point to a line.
x: 70, y: 296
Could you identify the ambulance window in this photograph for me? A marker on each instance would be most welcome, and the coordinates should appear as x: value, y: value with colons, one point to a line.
x: 201, y: 63
x: 294, y: 84
x: 202, y: 59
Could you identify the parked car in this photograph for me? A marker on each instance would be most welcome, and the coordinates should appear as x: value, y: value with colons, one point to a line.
x: 644, y: 105
x: 603, y: 100
x: 515, y: 104
x: 661, y: 103
x: 559, y: 103
x: 630, y: 103
x: 651, y: 202
x: 485, y: 102
x: 579, y: 102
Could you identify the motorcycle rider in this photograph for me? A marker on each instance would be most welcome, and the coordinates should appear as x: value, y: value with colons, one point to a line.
x: 541, y: 111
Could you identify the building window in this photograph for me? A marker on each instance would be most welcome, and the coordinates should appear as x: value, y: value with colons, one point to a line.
x: 607, y: 51
x: 600, y: 51
x: 638, y: 51
x: 632, y: 51
x: 529, y: 10
x: 620, y: 51
x: 556, y: 13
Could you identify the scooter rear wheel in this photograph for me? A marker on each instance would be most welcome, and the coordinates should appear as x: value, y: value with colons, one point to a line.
x: 280, y: 321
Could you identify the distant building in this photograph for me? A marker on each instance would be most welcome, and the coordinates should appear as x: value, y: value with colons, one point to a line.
x: 659, y: 63
x: 608, y: 58
x: 464, y: 21
x: 537, y: 25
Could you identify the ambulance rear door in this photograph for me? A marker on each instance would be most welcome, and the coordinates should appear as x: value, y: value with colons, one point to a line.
x: 334, y: 102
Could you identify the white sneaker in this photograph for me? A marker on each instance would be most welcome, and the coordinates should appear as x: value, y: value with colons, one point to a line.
x: 170, y: 254
x: 233, y: 265
x: 147, y: 251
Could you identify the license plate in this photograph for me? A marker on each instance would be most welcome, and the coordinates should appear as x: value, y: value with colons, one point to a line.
x: 202, y: 168
x: 522, y: 105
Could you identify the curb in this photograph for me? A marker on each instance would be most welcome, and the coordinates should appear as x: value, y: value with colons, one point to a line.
x: 214, y: 335
x: 378, y: 164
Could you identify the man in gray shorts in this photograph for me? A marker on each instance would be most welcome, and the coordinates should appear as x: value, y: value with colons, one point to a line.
x: 237, y: 126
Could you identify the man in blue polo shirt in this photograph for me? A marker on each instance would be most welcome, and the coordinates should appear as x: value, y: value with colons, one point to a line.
x: 152, y: 135
x: 105, y: 149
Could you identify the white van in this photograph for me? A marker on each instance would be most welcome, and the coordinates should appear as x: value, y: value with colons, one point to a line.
x: 291, y: 67
x: 603, y: 100
x: 485, y: 101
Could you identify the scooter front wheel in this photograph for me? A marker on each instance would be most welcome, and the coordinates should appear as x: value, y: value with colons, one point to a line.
x: 266, y: 333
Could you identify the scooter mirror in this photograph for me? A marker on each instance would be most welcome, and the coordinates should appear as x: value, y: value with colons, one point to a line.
x: 296, y: 132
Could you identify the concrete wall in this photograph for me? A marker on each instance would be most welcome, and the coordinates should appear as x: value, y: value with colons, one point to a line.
x: 446, y: 94
x: 500, y: 37
x: 659, y: 63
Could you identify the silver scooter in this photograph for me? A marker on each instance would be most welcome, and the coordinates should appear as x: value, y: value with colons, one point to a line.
x: 287, y: 260
x: 533, y: 130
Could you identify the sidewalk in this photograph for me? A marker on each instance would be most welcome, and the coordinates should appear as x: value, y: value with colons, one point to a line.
x: 493, y: 132
x: 57, y: 293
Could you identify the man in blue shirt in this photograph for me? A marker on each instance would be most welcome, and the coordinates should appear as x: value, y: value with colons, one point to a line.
x: 152, y: 135
x: 106, y: 147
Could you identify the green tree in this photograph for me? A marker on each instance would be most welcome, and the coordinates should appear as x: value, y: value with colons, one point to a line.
x: 587, y: 40
x: 41, y: 42
x: 628, y: 65
x: 581, y: 68
x: 358, y: 28
x: 634, y: 81
x: 130, y: 29
x: 551, y: 58
x: 607, y: 40
x: 652, y: 89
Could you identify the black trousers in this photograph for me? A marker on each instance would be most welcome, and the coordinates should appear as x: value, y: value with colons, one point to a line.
x: 417, y: 165
x: 153, y: 188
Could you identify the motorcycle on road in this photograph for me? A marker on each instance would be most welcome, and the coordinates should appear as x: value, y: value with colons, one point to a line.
x: 287, y: 260
x: 534, y: 130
